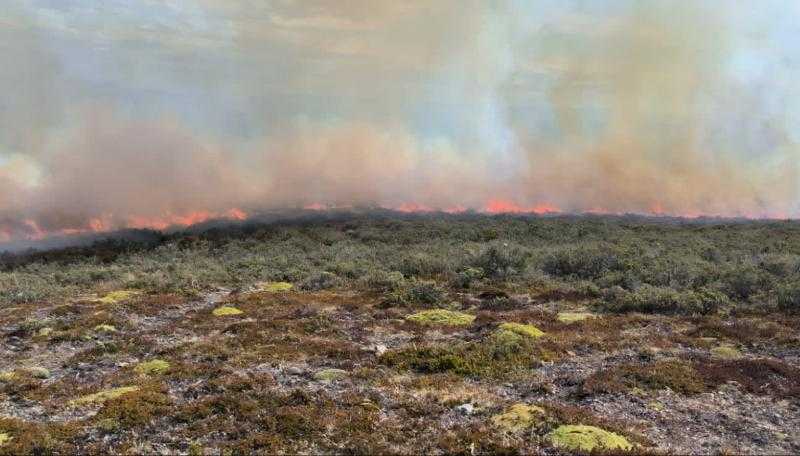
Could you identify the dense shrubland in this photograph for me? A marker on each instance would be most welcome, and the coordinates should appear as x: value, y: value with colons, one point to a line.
x: 626, y: 264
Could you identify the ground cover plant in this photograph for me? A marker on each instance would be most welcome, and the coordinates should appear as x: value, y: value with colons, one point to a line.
x: 377, y: 332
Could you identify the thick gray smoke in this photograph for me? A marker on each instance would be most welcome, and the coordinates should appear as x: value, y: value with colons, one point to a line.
x: 205, y: 106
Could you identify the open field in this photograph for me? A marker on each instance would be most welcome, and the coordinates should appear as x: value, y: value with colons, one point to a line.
x: 390, y: 333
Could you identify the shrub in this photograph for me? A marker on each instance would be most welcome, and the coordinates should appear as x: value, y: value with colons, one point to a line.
x: 424, y: 293
x: 789, y: 297
x: 711, y: 300
x: 650, y: 299
x: 423, y: 265
x: 746, y: 281
x: 582, y: 262
x: 501, y: 260
x: 320, y: 281
x: 467, y: 277
x: 417, y: 292
x: 780, y: 265
x: 381, y: 280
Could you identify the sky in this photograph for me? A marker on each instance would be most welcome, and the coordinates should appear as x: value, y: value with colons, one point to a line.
x: 116, y: 112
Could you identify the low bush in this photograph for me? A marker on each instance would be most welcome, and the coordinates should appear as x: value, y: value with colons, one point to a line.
x: 501, y: 260
x: 746, y: 281
x: 650, y: 299
x: 583, y: 262
x: 789, y: 297
x: 320, y: 281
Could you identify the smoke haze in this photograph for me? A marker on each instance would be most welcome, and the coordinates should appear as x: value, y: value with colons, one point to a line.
x: 145, y: 113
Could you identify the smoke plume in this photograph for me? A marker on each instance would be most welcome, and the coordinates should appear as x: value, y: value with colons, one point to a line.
x: 217, y: 109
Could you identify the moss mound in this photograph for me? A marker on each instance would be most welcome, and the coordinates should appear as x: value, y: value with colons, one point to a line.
x: 7, y: 376
x: 329, y: 375
x: 103, y: 396
x: 4, y: 438
x: 154, y: 367
x: 441, y: 317
x: 518, y: 417
x: 571, y: 317
x: 579, y: 437
x: 105, y: 329
x: 274, y: 287
x: 523, y: 330
x: 117, y: 296
x: 225, y: 311
x: 39, y: 372
x: 726, y: 352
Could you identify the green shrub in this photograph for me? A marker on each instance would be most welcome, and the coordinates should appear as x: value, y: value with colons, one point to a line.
x: 582, y: 262
x: 780, y: 265
x: 746, y: 281
x: 320, y: 281
x: 416, y: 292
x: 501, y: 260
x: 423, y: 265
x: 711, y: 300
x: 650, y: 299
x: 380, y: 280
x: 789, y: 297
x: 467, y: 277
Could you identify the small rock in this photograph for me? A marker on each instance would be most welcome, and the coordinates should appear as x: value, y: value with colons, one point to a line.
x: 466, y: 409
x: 291, y: 370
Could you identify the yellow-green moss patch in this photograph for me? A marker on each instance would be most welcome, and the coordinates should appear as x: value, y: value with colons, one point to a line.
x: 225, y: 311
x: 571, y: 317
x: 523, y: 330
x: 4, y: 438
x: 579, y: 437
x: 518, y: 417
x: 153, y: 367
x: 105, y: 329
x: 726, y: 352
x: 38, y: 372
x: 329, y: 375
x: 441, y: 317
x: 8, y: 376
x: 117, y: 296
x: 274, y: 287
x: 103, y: 396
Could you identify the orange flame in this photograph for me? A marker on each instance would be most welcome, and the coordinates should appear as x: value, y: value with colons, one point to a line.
x: 192, y: 218
x: 497, y: 206
x: 107, y: 223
